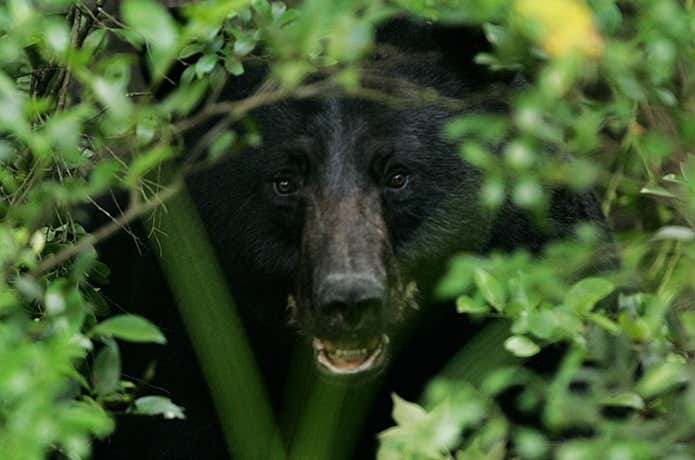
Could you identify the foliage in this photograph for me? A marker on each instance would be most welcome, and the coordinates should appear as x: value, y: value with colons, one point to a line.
x: 608, y: 104
x: 78, y: 120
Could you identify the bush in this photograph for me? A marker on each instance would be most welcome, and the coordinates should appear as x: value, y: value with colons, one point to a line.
x: 608, y: 104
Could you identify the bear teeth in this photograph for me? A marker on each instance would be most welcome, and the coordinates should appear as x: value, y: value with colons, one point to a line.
x: 357, y: 352
x: 350, y: 360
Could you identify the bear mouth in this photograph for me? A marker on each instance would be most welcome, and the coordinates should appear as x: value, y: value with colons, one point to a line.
x: 350, y: 357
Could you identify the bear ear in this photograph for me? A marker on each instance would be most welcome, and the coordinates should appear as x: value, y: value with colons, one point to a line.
x: 413, y: 34
x: 406, y: 34
x: 456, y: 46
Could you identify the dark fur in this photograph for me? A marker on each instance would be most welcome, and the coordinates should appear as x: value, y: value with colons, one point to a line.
x: 341, y: 151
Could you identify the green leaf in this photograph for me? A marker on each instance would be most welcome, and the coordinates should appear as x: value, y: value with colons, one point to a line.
x: 465, y: 304
x: 627, y: 399
x: 606, y: 323
x: 675, y: 232
x: 407, y: 413
x: 112, y: 96
x: 492, y: 193
x: 527, y: 193
x: 152, y: 20
x: 578, y: 450
x: 502, y: 378
x: 104, y: 175
x: 661, y: 378
x: 55, y: 298
x: 486, y: 127
x: 531, y: 444
x: 87, y: 416
x: 233, y: 65
x: 519, y: 155
x: 95, y: 41
x: 521, y: 346
x: 491, y: 289
x: 244, y: 45
x: 221, y: 145
x: 186, y: 97
x: 158, y: 405
x: 687, y: 320
x: 148, y: 160
x: 147, y: 127
x: 106, y: 372
x: 28, y: 287
x: 191, y: 49
x: 131, y: 328
x: 584, y: 295
x: 657, y: 191
x: 544, y: 323
x: 205, y: 65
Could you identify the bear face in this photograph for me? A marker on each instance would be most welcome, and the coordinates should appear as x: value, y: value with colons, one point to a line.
x: 339, y: 208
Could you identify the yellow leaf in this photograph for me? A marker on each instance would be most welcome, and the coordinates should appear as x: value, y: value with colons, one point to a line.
x: 564, y: 25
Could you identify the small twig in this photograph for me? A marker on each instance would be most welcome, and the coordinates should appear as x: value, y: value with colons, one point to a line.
x: 102, y: 11
x: 403, y: 91
x: 95, y: 18
x: 239, y: 108
x: 35, y: 72
x: 89, y: 22
x: 134, y: 211
x: 125, y: 228
x: 65, y: 84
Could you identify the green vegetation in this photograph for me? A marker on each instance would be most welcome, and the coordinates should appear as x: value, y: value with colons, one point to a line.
x: 609, y: 105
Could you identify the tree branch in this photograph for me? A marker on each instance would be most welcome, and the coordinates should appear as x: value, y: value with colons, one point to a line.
x: 135, y: 210
x: 239, y: 108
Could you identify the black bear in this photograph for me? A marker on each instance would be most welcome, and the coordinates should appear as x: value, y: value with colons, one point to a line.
x: 327, y: 231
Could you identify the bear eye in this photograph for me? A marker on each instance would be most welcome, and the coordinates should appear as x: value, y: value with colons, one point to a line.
x: 397, y: 181
x: 285, y: 186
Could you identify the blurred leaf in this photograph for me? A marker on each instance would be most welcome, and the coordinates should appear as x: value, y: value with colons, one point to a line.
x: 233, y: 65
x: 527, y: 193
x: 491, y: 289
x: 657, y: 191
x: 131, y: 328
x: 465, y: 304
x: 406, y: 413
x: 604, y: 322
x: 490, y: 128
x: 521, y: 346
x: 158, y: 405
x: 675, y: 232
x: 631, y: 400
x: 106, y: 371
x: 104, y: 175
x: 531, y: 444
x: 205, y: 64
x: 152, y: 21
x: 148, y: 160
x: 113, y: 97
x: 55, y: 299
x: 501, y: 379
x: 585, y: 294
x: 660, y: 378
x: 84, y: 415
x: 492, y: 193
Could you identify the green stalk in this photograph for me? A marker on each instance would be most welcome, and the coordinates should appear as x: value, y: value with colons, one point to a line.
x: 217, y: 334
x: 481, y: 354
x: 323, y: 417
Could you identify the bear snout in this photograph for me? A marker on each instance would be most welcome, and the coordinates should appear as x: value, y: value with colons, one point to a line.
x: 351, y: 303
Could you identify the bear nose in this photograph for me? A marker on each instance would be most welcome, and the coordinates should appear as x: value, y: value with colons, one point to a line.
x: 352, y: 301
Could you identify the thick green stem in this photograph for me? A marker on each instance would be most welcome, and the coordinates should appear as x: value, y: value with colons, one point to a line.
x: 217, y: 334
